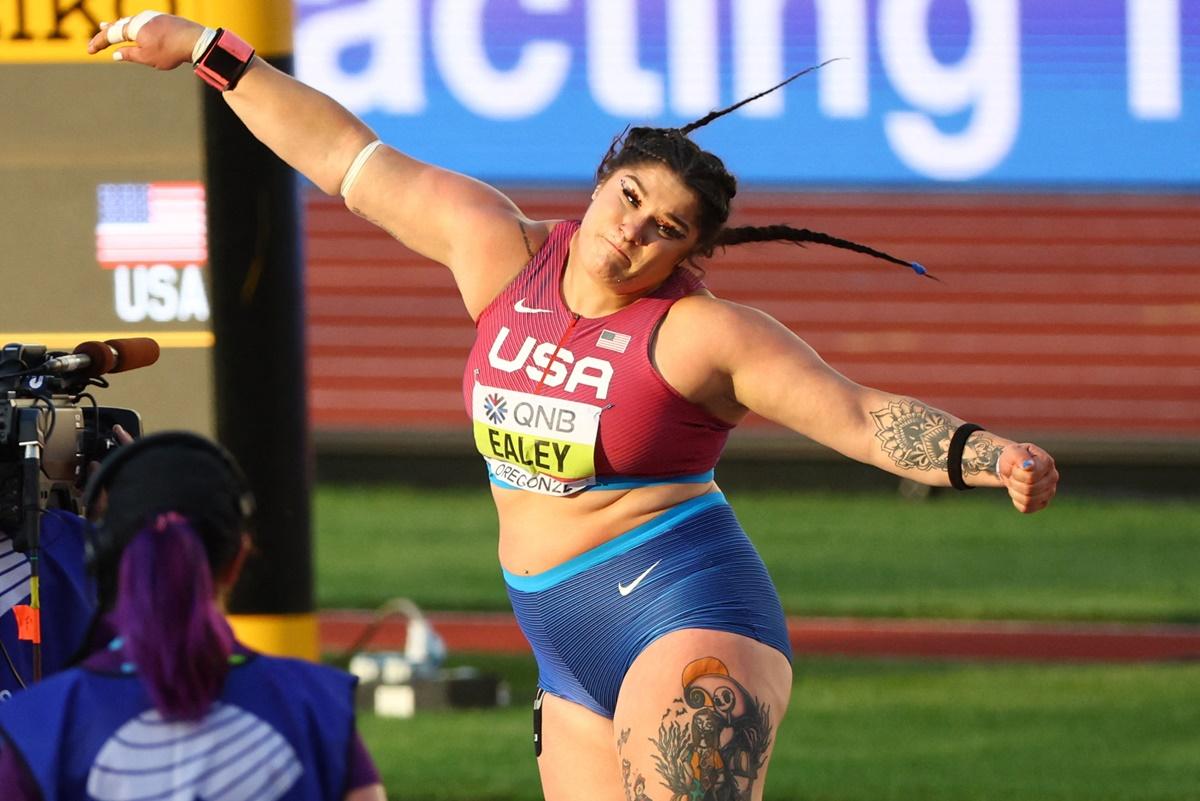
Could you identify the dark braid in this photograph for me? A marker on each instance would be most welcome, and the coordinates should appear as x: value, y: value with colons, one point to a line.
x: 712, y: 115
x: 798, y: 236
x: 713, y: 185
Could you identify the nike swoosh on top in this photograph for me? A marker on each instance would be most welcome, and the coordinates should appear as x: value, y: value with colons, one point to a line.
x: 625, y: 589
x: 521, y: 307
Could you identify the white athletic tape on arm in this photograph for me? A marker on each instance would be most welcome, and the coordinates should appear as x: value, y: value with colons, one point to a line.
x: 357, y: 165
x: 202, y: 43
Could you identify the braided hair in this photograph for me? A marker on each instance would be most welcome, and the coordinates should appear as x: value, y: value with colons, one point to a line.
x: 705, y: 174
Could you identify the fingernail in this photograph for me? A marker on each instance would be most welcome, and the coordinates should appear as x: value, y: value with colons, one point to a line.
x: 1028, y: 463
x: 117, y: 56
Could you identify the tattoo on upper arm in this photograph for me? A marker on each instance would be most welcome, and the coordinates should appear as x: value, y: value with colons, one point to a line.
x: 525, y: 236
x: 712, y: 741
x: 914, y: 436
x: 375, y: 222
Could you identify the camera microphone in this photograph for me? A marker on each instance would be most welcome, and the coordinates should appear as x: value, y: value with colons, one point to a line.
x: 94, y: 359
x: 132, y: 353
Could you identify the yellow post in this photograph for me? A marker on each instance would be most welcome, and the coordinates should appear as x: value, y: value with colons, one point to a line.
x: 266, y: 24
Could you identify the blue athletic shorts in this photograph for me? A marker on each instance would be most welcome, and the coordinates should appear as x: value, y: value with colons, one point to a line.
x: 691, y: 567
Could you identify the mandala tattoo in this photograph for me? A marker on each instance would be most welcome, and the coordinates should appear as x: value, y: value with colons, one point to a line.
x: 713, y: 741
x: 918, y: 438
x: 914, y: 436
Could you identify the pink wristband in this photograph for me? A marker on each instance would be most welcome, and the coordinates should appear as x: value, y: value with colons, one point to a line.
x: 224, y: 61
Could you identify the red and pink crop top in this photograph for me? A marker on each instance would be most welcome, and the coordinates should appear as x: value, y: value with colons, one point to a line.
x: 560, y: 403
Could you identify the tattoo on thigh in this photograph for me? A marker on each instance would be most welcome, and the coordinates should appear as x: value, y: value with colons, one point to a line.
x: 914, y: 436
x: 635, y: 782
x: 713, y: 741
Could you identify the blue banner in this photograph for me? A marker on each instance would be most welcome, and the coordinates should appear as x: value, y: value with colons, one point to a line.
x: 983, y: 93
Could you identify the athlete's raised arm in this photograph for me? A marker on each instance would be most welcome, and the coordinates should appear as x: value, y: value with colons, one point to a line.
x: 738, y: 359
x: 426, y: 207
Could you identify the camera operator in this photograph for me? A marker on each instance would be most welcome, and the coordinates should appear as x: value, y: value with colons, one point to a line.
x: 52, y: 431
x: 173, y: 704
x: 67, y: 594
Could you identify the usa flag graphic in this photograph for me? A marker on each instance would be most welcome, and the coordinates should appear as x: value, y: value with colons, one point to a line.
x: 158, y: 223
x: 611, y: 340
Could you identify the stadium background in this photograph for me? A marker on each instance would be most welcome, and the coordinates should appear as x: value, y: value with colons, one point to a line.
x: 1039, y: 157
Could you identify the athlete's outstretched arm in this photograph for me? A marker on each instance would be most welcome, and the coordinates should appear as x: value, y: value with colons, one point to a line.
x: 440, y: 214
x: 757, y: 364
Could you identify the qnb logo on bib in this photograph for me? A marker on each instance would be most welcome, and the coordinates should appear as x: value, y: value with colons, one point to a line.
x: 495, y: 407
x: 545, y: 445
x: 542, y: 365
x: 230, y: 755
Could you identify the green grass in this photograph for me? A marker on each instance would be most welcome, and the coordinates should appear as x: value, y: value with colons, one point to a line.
x: 876, y: 731
x: 958, y: 556
x: 858, y: 730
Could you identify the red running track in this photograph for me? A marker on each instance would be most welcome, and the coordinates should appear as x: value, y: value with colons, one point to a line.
x: 934, y: 639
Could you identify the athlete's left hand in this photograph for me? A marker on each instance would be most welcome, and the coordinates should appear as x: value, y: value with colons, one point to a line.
x: 158, y: 40
x: 1029, y: 475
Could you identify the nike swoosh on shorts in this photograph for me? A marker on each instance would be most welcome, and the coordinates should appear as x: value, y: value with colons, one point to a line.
x: 625, y: 589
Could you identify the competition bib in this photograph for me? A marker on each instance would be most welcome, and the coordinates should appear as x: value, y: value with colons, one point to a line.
x: 535, y: 443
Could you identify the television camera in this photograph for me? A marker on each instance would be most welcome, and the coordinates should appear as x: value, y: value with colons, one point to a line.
x: 51, y: 427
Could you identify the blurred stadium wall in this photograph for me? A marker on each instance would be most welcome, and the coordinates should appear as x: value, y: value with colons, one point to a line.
x: 1039, y: 157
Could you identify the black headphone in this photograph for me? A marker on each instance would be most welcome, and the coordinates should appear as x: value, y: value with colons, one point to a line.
x: 230, y: 494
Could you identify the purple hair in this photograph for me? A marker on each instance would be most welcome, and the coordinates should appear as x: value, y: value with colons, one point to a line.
x: 172, y: 629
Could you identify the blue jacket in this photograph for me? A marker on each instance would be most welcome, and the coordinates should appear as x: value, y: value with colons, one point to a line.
x: 68, y: 598
x: 281, y: 730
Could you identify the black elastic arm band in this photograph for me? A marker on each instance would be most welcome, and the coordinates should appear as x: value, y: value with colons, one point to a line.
x: 955, y: 454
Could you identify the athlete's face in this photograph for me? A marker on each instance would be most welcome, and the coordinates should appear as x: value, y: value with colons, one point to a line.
x: 640, y: 225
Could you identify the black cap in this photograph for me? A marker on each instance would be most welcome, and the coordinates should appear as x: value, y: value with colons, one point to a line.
x: 174, y: 471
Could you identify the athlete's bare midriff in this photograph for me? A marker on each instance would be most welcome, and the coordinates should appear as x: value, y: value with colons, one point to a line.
x: 538, y: 532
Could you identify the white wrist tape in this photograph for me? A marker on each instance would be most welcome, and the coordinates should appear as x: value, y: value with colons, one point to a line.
x: 126, y: 29
x: 202, y: 43
x: 357, y: 165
